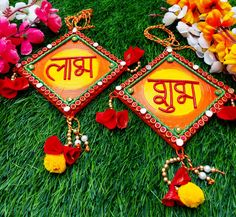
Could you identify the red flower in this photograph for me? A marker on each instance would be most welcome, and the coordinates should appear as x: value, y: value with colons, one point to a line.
x: 181, y: 178
x: 133, y: 55
x: 227, y: 113
x: 71, y: 154
x: 53, y: 146
x: 122, y: 119
x: 107, y: 118
x: 112, y: 119
x: 9, y: 88
x: 48, y: 16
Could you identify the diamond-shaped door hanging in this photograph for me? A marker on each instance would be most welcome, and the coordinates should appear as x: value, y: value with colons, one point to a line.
x: 173, y: 96
x: 71, y: 71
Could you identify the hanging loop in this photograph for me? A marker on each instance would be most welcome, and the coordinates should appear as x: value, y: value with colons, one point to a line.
x: 74, y: 21
x: 171, y: 41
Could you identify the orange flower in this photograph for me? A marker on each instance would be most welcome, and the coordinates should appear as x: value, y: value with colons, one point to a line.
x: 214, y: 21
x: 181, y: 3
x: 222, y: 44
x: 205, y: 6
x: 193, y: 14
x: 230, y: 58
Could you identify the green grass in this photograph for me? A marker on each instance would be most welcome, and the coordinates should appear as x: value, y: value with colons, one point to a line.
x: 121, y: 176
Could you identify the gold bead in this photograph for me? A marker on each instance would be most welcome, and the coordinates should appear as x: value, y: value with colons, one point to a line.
x: 171, y: 160
x: 87, y: 149
x: 69, y: 143
x: 178, y: 159
x: 175, y: 159
x: 164, y: 174
x: 196, y: 171
x: 166, y: 166
x: 213, y: 170
x: 69, y: 139
x: 163, y: 170
x: 68, y: 134
x: 86, y: 143
x: 201, y: 167
x: 165, y: 179
x: 169, y: 182
x: 208, y: 178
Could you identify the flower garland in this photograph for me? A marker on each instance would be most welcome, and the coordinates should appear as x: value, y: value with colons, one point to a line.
x: 208, y: 27
x: 24, y: 37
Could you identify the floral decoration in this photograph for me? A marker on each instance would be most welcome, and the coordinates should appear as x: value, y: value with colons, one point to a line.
x: 15, y: 42
x: 208, y: 27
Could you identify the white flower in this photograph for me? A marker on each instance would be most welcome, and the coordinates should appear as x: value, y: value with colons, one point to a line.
x: 203, y: 42
x: 234, y: 30
x: 4, y: 4
x: 174, y: 13
x: 209, y: 58
x: 183, y: 29
x: 216, y: 67
x: 26, y: 14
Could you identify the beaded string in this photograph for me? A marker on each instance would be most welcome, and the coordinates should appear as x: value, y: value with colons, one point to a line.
x: 79, y: 137
x: 200, y: 171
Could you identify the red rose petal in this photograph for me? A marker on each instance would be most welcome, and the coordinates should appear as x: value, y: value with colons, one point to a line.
x: 227, y: 113
x: 71, y: 154
x: 122, y: 119
x: 107, y: 118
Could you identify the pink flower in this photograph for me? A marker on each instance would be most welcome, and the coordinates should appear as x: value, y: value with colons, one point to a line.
x: 7, y: 29
x: 8, y: 54
x: 48, y: 16
x: 26, y: 36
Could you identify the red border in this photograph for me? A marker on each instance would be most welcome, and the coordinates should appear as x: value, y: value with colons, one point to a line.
x: 150, y: 120
x: 90, y: 94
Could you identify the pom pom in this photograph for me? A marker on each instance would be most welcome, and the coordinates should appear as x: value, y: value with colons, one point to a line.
x: 55, y: 163
x: 191, y: 195
x: 71, y: 154
x: 133, y: 55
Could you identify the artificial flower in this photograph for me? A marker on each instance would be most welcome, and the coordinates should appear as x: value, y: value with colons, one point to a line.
x: 181, y: 178
x: 27, y: 13
x: 53, y: 146
x: 222, y: 44
x: 205, y: 6
x: 214, y: 21
x: 26, y: 36
x: 191, y: 195
x: 112, y: 119
x: 231, y: 69
x: 71, y: 154
x: 8, y: 54
x: 7, y: 29
x: 5, y: 7
x: 227, y: 113
x: 230, y: 58
x: 107, y: 118
x: 122, y: 119
x: 55, y: 163
x: 48, y: 16
x: 174, y: 13
x: 133, y: 55
x: 9, y: 88
x: 181, y: 3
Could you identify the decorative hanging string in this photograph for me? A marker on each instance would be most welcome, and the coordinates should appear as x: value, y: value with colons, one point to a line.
x: 171, y: 41
x: 74, y: 21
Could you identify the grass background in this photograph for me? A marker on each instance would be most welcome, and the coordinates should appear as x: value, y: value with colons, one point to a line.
x: 121, y: 176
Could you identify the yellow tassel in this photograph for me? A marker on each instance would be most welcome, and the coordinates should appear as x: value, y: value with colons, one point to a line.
x: 191, y: 195
x: 55, y: 163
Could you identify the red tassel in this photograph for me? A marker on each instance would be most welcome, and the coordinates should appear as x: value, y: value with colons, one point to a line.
x: 9, y: 88
x: 133, y: 55
x: 227, y: 113
x: 181, y: 178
